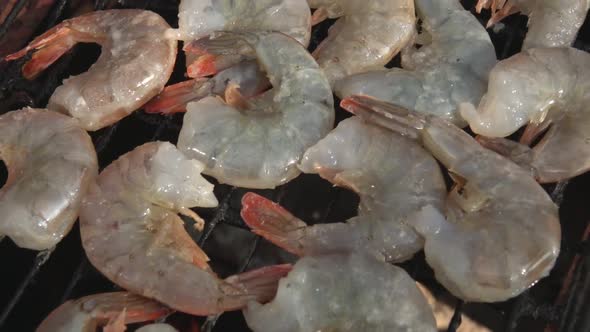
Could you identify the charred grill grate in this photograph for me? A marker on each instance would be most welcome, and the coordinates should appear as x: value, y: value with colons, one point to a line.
x: 35, y: 283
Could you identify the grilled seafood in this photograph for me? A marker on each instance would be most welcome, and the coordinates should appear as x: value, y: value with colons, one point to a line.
x: 134, y: 65
x: 51, y: 162
x: 500, y: 231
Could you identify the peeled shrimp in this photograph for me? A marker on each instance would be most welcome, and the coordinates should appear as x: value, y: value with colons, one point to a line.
x: 343, y: 293
x: 132, y: 234
x: 451, y: 68
x: 367, y: 36
x: 257, y: 142
x: 112, y: 310
x: 500, y: 231
x: 134, y: 65
x: 552, y: 23
x: 546, y: 88
x: 50, y: 162
x: 394, y: 176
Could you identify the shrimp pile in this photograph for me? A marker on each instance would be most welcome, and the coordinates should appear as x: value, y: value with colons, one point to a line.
x: 366, y: 295
x: 367, y: 35
x: 385, y: 169
x: 499, y: 233
x: 257, y: 142
x: 450, y: 68
x: 546, y: 88
x: 134, y: 65
x: 551, y: 23
x: 131, y: 232
x: 51, y: 162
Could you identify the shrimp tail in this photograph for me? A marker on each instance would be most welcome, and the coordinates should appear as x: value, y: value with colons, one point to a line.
x: 260, y: 283
x: 272, y: 222
x: 500, y: 9
x: 173, y: 98
x: 117, y: 323
x: 519, y: 153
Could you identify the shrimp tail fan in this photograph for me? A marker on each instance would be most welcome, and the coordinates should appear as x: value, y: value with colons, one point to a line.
x: 261, y: 284
x: 273, y: 222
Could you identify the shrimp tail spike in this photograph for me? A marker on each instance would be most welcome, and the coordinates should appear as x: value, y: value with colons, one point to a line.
x: 520, y: 154
x: 233, y: 96
x: 272, y: 222
x: 502, y: 10
x: 482, y: 4
x: 260, y: 284
x: 116, y: 323
x: 390, y: 116
x: 173, y: 98
x: 532, y: 132
x: 319, y: 15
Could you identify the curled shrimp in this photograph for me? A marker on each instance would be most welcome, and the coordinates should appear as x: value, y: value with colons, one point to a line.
x: 134, y: 65
x: 394, y: 177
x: 111, y: 310
x: 367, y: 36
x: 257, y: 142
x: 343, y: 293
x: 132, y: 234
x: 551, y: 23
x: 51, y: 162
x: 545, y: 88
x: 451, y: 68
x: 500, y: 231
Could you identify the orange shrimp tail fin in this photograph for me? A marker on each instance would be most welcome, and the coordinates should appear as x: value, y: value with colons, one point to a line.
x: 500, y: 9
x: 117, y: 323
x: 173, y: 98
x: 319, y: 15
x: 203, y: 66
x: 272, y: 222
x: 261, y: 284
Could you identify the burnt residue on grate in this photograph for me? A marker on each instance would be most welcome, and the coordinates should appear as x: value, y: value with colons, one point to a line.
x: 35, y: 283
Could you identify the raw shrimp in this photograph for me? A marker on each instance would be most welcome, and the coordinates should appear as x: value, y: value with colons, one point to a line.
x: 394, y: 176
x: 551, y: 23
x: 546, y: 88
x: 51, y: 162
x: 343, y: 293
x: 501, y: 233
x: 451, y: 68
x: 367, y: 36
x: 134, y: 65
x: 111, y: 309
x: 132, y: 234
x: 257, y: 142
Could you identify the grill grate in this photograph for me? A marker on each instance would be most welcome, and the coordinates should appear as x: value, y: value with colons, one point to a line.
x: 559, y: 302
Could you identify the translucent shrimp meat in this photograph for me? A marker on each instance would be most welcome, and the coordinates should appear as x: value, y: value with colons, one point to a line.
x: 134, y: 65
x: 367, y: 35
x: 111, y: 310
x: 343, y: 293
x: 394, y: 177
x: 257, y: 142
x: 131, y: 232
x: 450, y: 68
x: 546, y: 88
x: 499, y: 233
x: 51, y: 162
x: 552, y: 23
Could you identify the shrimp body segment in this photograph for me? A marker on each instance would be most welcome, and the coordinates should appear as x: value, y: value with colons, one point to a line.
x: 451, y: 68
x: 499, y: 233
x: 544, y: 88
x: 343, y: 293
x: 367, y: 36
x: 551, y: 23
x: 51, y: 162
x: 394, y: 177
x: 134, y: 65
x: 257, y: 142
x: 132, y: 233
x: 111, y: 310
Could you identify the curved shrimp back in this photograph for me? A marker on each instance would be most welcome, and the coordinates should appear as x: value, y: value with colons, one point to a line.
x: 257, y: 142
x: 501, y: 233
x: 132, y: 234
x: 367, y: 36
x: 452, y: 68
x: 551, y: 23
x: 134, y: 65
x: 546, y: 88
x: 111, y: 310
x: 394, y: 176
x: 343, y: 293
x: 51, y: 162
